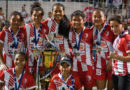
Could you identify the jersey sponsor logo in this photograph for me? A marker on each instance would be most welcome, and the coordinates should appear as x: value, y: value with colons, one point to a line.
x: 40, y: 41
x: 59, y: 37
x: 81, y: 46
x: 103, y: 44
x: 19, y: 46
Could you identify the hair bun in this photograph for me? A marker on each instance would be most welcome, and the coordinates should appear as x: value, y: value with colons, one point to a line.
x: 35, y: 4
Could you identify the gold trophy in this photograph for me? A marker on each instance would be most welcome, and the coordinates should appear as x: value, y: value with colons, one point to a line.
x: 50, y: 55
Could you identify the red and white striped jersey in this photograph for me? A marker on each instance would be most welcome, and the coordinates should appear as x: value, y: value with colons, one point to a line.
x: 121, y: 46
x: 9, y: 50
x: 106, y: 38
x: 85, y: 49
x: 30, y: 34
x: 7, y: 77
x: 58, y: 84
x: 59, y: 40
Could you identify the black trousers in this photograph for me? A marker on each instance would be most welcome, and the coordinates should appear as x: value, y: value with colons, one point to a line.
x: 121, y: 82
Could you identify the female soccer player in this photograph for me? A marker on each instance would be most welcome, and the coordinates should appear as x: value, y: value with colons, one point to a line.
x: 59, y: 28
x: 80, y: 39
x: 121, y: 54
x: 36, y: 32
x: 65, y: 80
x: 11, y: 40
x: 17, y: 78
x: 103, y: 39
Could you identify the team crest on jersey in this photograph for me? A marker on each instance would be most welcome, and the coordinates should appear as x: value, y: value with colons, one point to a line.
x: 88, y: 78
x: 103, y: 44
x: 86, y: 35
x: 25, y: 80
x: 107, y: 33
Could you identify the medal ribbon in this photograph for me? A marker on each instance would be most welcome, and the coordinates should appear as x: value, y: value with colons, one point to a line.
x: 72, y: 80
x: 15, y: 40
x: 36, y: 39
x: 15, y: 79
x: 99, y: 39
x: 78, y: 43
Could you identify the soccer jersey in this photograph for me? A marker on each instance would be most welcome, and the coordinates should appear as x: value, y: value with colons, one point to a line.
x: 57, y: 83
x: 84, y: 54
x: 12, y: 43
x: 103, y: 41
x: 35, y: 39
x: 59, y: 40
x: 7, y: 77
x: 122, y: 48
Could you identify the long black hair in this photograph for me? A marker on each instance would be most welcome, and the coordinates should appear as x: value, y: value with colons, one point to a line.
x: 64, y: 25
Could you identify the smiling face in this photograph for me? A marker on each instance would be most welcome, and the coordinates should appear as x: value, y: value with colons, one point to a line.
x: 37, y: 16
x: 77, y: 22
x: 58, y: 13
x: 15, y: 22
x: 98, y: 18
x: 116, y: 27
x: 19, y: 61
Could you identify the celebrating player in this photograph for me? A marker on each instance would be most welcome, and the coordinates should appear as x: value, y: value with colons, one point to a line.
x: 11, y: 40
x: 65, y: 80
x: 17, y: 78
x: 121, y: 54
x: 80, y: 39
x: 103, y: 38
x: 36, y: 32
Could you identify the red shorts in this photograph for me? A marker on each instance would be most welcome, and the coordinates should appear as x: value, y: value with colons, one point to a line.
x: 86, y: 77
x: 102, y: 73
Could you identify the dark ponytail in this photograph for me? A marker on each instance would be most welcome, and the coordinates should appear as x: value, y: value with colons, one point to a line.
x: 64, y: 27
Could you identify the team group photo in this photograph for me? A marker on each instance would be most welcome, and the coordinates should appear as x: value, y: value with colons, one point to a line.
x: 64, y: 44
